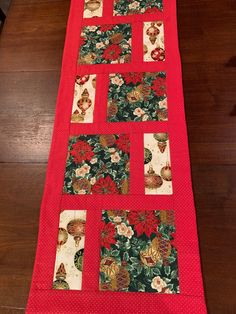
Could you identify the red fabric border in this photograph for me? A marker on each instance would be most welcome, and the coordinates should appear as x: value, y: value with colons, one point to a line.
x: 191, y: 299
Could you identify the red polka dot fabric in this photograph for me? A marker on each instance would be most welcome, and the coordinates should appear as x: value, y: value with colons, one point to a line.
x: 117, y: 225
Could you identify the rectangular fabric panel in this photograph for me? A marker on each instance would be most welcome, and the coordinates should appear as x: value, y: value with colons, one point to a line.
x: 117, y: 227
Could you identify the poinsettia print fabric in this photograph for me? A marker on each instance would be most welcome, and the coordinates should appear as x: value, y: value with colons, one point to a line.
x: 70, y: 250
x: 106, y: 43
x: 98, y: 164
x: 137, y: 96
x: 137, y: 252
x: 93, y: 8
x: 84, y: 99
x: 124, y: 7
x: 157, y: 165
x: 153, y: 41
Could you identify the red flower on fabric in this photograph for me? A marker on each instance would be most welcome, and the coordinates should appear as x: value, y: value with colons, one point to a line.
x: 144, y: 222
x: 159, y: 86
x: 108, y: 235
x: 82, y: 41
x: 81, y: 151
x: 106, y: 27
x: 105, y: 186
x: 152, y: 10
x: 123, y: 143
x: 112, y: 52
x: 134, y: 77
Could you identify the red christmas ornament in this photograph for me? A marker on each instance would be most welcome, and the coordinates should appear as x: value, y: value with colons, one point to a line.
x: 76, y: 228
x: 158, y: 54
x: 84, y: 102
x: 81, y: 80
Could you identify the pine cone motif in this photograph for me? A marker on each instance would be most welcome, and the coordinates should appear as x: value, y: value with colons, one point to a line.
x: 107, y: 140
x: 117, y: 38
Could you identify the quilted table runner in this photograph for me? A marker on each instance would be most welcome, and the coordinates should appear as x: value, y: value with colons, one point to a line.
x: 117, y: 227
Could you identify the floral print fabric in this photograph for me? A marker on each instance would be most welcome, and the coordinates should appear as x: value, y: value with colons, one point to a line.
x: 93, y: 8
x: 157, y: 167
x: 124, y: 7
x: 137, y: 97
x: 84, y: 99
x: 70, y: 250
x: 153, y: 41
x: 98, y: 164
x: 137, y: 252
x: 105, y: 44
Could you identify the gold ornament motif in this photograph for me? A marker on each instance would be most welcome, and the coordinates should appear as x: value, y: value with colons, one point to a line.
x: 60, y: 283
x: 62, y: 238
x: 161, y: 139
x: 84, y: 103
x: 107, y: 140
x: 76, y: 228
x: 92, y: 5
x: 109, y: 267
x: 135, y: 95
x: 125, y: 186
x: 167, y: 217
x: 81, y: 184
x: 166, y: 172
x: 152, y: 32
x: 121, y: 280
x: 152, y: 180
x: 77, y: 117
x: 112, y: 109
x: 151, y: 256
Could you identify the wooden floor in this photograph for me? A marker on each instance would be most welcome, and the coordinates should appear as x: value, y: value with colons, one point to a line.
x: 30, y: 60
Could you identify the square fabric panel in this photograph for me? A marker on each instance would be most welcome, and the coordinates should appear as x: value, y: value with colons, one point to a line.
x: 153, y: 41
x: 98, y: 164
x: 70, y: 250
x: 137, y: 97
x: 105, y: 44
x: 158, y: 178
x: 124, y: 7
x: 84, y: 99
x: 93, y: 8
x: 137, y: 252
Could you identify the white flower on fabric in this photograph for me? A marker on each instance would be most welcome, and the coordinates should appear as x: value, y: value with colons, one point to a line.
x: 130, y: 41
x: 91, y: 28
x: 93, y: 161
x: 142, y: 10
x: 134, y: 5
x: 163, y: 104
x: 111, y: 150
x: 99, y: 32
x: 93, y: 181
x: 138, y: 112
x: 115, y: 158
x: 145, y: 117
x: 117, y: 219
x: 82, y: 192
x: 86, y: 168
x: 158, y: 283
x: 168, y: 291
x: 129, y: 233
x: 122, y: 229
x: 100, y: 45
x: 117, y: 81
x: 107, y: 42
x: 82, y: 171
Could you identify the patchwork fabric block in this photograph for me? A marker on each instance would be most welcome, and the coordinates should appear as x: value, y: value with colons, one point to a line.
x: 137, y: 252
x: 84, y: 99
x: 124, y: 7
x: 157, y: 166
x: 70, y: 250
x: 98, y: 164
x: 137, y: 97
x: 153, y: 41
x: 93, y: 8
x: 105, y: 44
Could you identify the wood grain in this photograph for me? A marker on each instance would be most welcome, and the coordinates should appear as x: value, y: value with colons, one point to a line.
x: 30, y: 60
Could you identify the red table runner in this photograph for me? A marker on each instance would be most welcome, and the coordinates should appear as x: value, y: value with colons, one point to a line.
x: 117, y: 226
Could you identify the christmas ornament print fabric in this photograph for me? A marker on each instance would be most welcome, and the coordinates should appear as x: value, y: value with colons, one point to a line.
x: 117, y: 226
x: 137, y: 253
